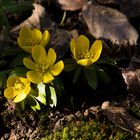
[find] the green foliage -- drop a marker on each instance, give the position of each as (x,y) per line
(93,73)
(3,78)
(41,89)
(70,65)
(18,60)
(108,61)
(18,71)
(33,103)
(58,85)
(91,77)
(52,96)
(102,75)
(31,88)
(78,72)
(12,7)
(90,130)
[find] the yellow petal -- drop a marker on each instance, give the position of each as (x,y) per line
(25,48)
(96,50)
(36,36)
(34,77)
(25,34)
(9,93)
(27,90)
(85,62)
(39,54)
(21,96)
(29,63)
(47,78)
(83,44)
(25,81)
(57,68)
(11,81)
(73,48)
(45,38)
(28,49)
(51,57)
(19,43)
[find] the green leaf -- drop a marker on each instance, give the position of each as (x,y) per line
(19,71)
(33,108)
(42,89)
(69,61)
(77,74)
(33,102)
(18,61)
(41,94)
(103,76)
(5,2)
(3,19)
(22,105)
(41,98)
(37,105)
(5,72)
(18,7)
(2,63)
(9,49)
(107,61)
(70,65)
(1,83)
(33,92)
(91,77)
(53,97)
(58,85)
(2,78)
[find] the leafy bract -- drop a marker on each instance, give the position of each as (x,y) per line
(91,77)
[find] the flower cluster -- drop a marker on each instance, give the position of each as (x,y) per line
(35,77)
(41,68)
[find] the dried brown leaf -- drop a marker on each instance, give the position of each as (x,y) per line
(109,23)
(60,41)
(72,5)
(38,18)
(132,79)
(131,75)
(131,8)
(121,117)
(105,1)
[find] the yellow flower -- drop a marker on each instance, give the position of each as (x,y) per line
(43,69)
(29,38)
(81,52)
(17,88)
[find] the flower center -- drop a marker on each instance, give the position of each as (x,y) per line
(42,67)
(85,55)
(31,42)
(19,85)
